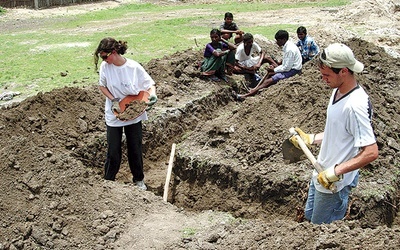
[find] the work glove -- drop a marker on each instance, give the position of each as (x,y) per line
(307,138)
(327,177)
(115,105)
(152,100)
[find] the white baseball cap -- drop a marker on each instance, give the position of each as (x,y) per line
(340,56)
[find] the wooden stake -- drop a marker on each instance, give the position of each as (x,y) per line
(169,171)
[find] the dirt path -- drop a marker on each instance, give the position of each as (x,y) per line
(230,188)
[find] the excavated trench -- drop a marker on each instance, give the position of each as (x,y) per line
(228,155)
(206,180)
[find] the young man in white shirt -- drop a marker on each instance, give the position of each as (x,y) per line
(348,142)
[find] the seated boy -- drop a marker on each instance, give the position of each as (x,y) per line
(245,57)
(228,27)
(306,44)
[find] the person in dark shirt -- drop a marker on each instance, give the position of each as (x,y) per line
(228,28)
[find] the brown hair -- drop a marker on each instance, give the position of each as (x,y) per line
(108,45)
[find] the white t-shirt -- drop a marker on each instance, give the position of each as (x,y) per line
(347,129)
(127,79)
(247,60)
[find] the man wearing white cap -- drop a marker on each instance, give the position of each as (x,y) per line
(348,142)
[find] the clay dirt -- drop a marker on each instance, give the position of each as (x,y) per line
(230,186)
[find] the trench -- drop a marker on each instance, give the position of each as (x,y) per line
(201,181)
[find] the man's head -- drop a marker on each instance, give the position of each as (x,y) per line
(228,17)
(281,37)
(301,32)
(247,38)
(338,56)
(215,35)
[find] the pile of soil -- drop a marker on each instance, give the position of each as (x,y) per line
(230,188)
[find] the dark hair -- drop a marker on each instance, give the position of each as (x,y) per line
(247,37)
(215,31)
(108,45)
(228,14)
(301,29)
(282,34)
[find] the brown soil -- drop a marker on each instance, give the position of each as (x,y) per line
(230,188)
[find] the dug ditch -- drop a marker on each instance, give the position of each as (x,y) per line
(229,154)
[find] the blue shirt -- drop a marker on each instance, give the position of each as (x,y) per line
(308,48)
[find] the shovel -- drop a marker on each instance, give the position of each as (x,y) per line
(287,150)
(291,154)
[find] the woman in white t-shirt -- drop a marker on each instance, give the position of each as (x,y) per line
(120,77)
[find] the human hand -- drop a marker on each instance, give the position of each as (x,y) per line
(327,177)
(307,138)
(115,105)
(152,100)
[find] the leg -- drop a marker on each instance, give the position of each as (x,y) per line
(113,160)
(134,144)
(326,207)
(262,84)
(308,211)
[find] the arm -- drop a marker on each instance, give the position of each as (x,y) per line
(318,138)
(152,90)
(366,155)
(271,61)
(260,61)
(230,45)
(234,29)
(220,53)
(314,49)
(106,92)
(287,62)
(228,31)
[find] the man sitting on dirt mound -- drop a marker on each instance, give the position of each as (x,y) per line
(291,65)
(229,27)
(306,44)
(246,62)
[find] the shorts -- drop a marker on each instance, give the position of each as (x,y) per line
(283,75)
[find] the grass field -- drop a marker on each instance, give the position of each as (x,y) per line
(34,57)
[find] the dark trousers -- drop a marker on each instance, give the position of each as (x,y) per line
(134,137)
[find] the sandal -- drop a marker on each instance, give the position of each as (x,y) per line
(214,78)
(246,87)
(237,97)
(224,78)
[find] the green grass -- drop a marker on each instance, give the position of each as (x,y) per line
(32,59)
(188,232)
